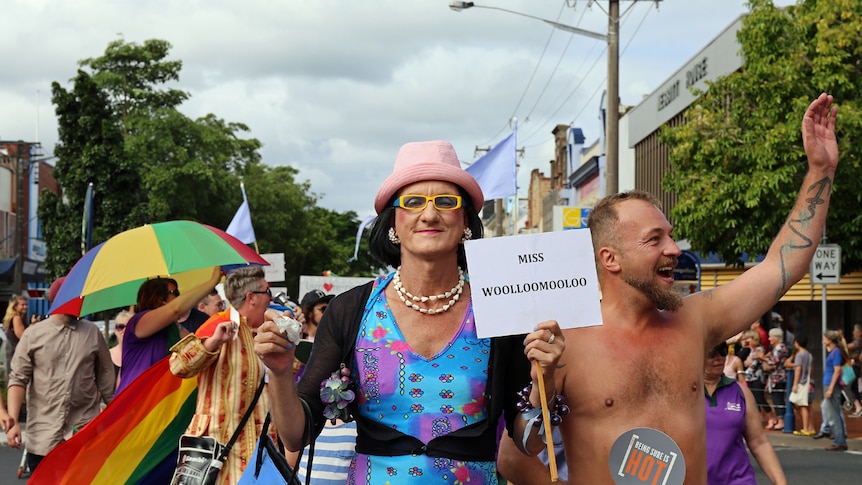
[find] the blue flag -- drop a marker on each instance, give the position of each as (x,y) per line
(240,226)
(497,171)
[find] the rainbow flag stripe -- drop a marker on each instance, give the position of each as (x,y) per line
(133,434)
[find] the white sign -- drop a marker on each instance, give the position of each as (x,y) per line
(331,285)
(517,282)
(38,250)
(825,267)
(275,271)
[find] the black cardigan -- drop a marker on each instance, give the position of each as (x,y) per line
(508,373)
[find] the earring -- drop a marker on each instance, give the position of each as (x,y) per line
(393,238)
(468,234)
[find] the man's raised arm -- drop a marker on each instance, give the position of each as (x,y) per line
(758,289)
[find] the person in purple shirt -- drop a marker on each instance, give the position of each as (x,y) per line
(731,415)
(154,328)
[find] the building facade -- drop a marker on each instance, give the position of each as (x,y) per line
(23,174)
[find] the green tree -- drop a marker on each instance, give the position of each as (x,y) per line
(738,161)
(121,130)
(90,150)
(287,220)
(185,165)
(134,75)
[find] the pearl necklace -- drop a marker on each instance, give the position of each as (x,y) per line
(408,298)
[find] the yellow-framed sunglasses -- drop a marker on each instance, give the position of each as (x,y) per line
(416,202)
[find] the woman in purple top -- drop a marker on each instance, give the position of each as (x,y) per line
(731,415)
(154,329)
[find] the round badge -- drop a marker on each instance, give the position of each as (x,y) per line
(646,456)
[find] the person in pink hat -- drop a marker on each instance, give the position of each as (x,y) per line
(402,353)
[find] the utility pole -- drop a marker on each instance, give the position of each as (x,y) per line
(612,116)
(612,140)
(20,180)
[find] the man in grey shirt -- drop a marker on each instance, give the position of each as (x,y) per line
(65,367)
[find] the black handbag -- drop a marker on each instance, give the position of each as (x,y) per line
(201,458)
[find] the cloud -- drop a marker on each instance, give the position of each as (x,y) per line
(334,88)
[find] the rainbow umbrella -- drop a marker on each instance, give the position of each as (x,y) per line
(109,275)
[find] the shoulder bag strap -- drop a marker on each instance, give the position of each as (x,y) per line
(309,431)
(226,450)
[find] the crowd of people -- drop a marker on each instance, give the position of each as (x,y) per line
(429,401)
(765,375)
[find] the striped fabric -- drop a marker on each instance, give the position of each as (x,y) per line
(227,381)
(133,434)
(333,452)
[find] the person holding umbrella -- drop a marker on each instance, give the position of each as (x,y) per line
(153,330)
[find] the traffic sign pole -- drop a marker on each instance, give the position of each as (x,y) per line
(823,317)
(825,269)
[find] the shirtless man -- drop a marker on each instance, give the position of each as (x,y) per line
(643,368)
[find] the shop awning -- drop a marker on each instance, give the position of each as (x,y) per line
(33,271)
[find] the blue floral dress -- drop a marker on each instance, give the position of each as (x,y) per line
(419,396)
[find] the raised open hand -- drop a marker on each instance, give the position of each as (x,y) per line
(818,134)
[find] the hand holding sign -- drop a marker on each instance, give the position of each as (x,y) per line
(517,281)
(544,347)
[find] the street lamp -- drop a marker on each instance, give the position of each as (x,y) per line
(612,137)
(458,6)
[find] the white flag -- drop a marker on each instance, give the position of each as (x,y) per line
(240,227)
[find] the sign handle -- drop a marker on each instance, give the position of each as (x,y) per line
(546,419)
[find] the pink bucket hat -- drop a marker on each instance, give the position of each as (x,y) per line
(427,160)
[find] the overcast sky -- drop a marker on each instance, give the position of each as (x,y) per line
(335,87)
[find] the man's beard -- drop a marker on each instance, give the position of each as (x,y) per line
(665,299)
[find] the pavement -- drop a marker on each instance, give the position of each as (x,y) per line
(854,433)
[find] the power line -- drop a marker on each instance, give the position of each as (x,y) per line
(527,87)
(541,126)
(562,104)
(559,61)
(586,104)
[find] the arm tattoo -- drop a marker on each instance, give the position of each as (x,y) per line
(797,226)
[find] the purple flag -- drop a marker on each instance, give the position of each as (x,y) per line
(497,170)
